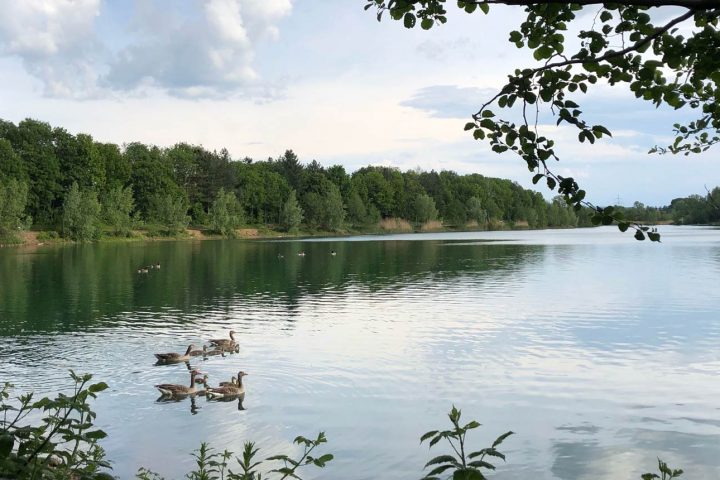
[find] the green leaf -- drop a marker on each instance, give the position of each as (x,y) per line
(6,444)
(98,387)
(438,470)
(502,438)
(442,459)
(639,235)
(623,226)
(482,464)
(428,435)
(468,474)
(95,435)
(551,183)
(478,134)
(469,126)
(409,20)
(426,23)
(536,178)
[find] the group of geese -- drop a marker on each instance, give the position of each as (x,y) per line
(225,390)
(301,253)
(147,269)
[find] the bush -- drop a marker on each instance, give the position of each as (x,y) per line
(13,198)
(169,213)
(395,225)
(81,212)
(118,204)
(291,214)
(63,444)
(226,213)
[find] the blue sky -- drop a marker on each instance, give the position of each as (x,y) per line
(321,77)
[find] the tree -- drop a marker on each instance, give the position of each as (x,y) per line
(13,198)
(169,212)
(291,215)
(674,62)
(226,213)
(476,211)
(117,206)
(334,215)
(356,211)
(81,211)
(424,208)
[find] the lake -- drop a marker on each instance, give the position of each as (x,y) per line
(601,353)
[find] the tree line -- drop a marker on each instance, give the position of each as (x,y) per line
(53,180)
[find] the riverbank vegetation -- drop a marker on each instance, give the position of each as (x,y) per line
(55,438)
(75,188)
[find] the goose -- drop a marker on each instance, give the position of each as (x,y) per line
(280,255)
(229,391)
(231,383)
(224,343)
(157,265)
(214,351)
(173,390)
(174,357)
(197,352)
(333,253)
(301,254)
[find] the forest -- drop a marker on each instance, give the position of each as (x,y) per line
(82,189)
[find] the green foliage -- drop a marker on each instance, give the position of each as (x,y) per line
(81,212)
(675,63)
(226,213)
(291,214)
(169,212)
(158,185)
(424,208)
(334,210)
(666,473)
(13,198)
(212,465)
(55,438)
(356,211)
(462,465)
(476,211)
(117,208)
(61,443)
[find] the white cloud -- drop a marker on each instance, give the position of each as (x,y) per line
(194,48)
(208,52)
(55,40)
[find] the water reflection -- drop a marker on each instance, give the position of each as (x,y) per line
(595,352)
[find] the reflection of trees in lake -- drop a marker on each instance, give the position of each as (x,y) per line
(66,288)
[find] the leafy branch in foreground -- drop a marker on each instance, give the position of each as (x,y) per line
(462,466)
(662,64)
(63,444)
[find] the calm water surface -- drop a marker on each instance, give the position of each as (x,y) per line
(601,352)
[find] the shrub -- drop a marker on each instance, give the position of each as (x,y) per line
(169,213)
(226,213)
(81,211)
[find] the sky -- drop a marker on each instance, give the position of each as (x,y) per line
(320,77)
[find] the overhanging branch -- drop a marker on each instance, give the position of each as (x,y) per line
(691,4)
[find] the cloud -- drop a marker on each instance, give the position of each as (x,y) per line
(193,48)
(204,53)
(449,101)
(55,41)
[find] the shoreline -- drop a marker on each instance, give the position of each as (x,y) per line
(40,238)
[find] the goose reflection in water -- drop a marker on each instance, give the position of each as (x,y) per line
(194,408)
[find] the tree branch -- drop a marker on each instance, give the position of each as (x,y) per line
(691,4)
